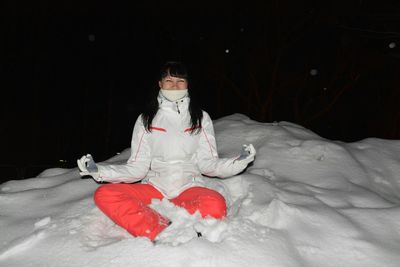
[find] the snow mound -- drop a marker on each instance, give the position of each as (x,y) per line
(306,201)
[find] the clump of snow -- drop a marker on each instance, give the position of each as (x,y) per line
(43,222)
(306,201)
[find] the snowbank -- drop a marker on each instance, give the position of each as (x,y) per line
(306,201)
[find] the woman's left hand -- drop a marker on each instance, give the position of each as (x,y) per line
(247,154)
(240,163)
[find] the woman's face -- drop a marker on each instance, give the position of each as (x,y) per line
(173,83)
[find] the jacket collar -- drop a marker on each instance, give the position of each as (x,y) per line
(178,106)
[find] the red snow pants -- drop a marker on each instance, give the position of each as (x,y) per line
(127,206)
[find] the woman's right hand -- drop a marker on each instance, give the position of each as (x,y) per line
(87,166)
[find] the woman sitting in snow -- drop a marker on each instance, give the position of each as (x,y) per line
(173,144)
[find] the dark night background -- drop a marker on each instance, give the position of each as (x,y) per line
(74,75)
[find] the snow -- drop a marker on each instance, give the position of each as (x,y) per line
(306,201)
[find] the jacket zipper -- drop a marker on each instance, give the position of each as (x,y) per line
(177,107)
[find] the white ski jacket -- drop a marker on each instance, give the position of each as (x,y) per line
(169,157)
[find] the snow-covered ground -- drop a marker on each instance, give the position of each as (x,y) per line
(306,201)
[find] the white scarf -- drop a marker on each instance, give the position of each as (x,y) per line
(173,95)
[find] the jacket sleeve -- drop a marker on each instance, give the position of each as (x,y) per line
(138,163)
(207,155)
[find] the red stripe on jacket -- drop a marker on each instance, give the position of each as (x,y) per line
(158,129)
(209,144)
(192,128)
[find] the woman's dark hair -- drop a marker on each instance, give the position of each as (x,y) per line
(179,70)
